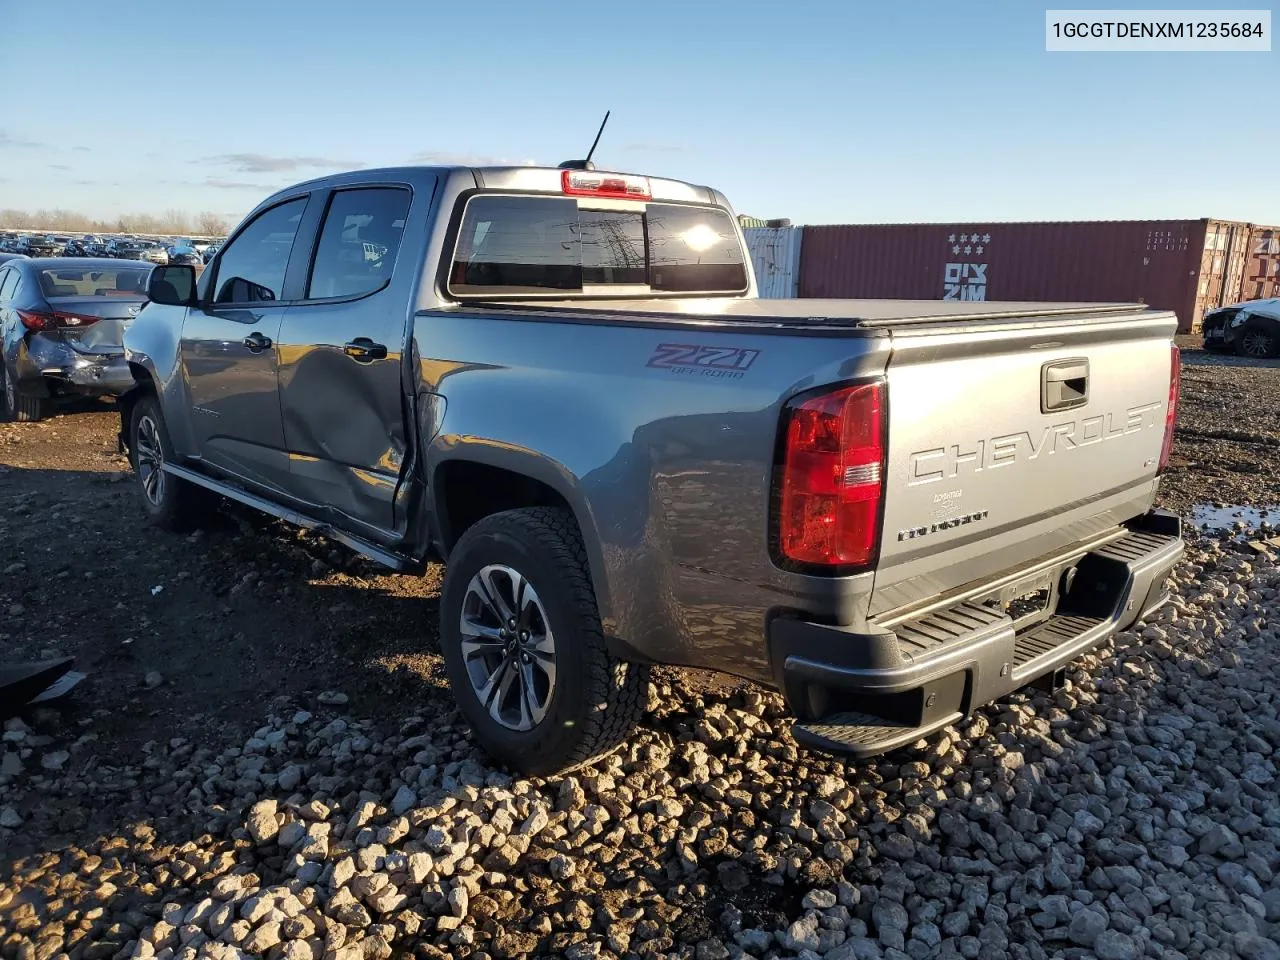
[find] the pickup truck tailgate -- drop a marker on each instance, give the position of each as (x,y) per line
(1008,441)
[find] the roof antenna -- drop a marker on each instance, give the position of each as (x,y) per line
(587,164)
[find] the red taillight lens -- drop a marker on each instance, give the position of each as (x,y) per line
(833,477)
(1171,414)
(34,320)
(37,320)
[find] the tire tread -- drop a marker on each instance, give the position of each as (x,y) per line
(617,689)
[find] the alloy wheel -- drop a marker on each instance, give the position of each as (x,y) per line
(508,647)
(150,457)
(1257,343)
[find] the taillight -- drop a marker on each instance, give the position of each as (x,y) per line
(620,186)
(40,320)
(34,320)
(1171,414)
(832,479)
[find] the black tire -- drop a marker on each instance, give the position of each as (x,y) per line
(1258,340)
(596,699)
(170,502)
(17,407)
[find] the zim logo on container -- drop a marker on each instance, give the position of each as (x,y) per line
(963,280)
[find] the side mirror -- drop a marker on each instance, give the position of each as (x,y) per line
(174,285)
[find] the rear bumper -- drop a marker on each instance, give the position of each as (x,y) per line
(872,691)
(50,367)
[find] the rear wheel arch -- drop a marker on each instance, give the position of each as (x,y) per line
(466,490)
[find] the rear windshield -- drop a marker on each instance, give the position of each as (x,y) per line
(115,282)
(512,245)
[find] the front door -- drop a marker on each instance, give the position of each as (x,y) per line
(230,354)
(341,396)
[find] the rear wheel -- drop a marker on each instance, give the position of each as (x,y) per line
(17,407)
(1258,339)
(523,646)
(170,502)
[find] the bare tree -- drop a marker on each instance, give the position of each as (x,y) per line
(211,225)
(175,222)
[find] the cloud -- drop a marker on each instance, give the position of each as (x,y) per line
(82,149)
(17,143)
(442,158)
(239,185)
(261,163)
(59,166)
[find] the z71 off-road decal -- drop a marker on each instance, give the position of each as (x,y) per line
(696,360)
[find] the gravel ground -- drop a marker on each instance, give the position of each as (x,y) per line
(263,762)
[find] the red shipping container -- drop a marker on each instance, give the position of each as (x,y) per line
(1262,266)
(1163,263)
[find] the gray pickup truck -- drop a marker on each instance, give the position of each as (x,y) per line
(561,383)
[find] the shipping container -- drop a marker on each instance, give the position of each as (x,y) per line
(1262,265)
(1187,266)
(775,256)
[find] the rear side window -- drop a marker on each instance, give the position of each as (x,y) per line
(252,267)
(511,245)
(358,242)
(8,280)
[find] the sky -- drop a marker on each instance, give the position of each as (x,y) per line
(824,112)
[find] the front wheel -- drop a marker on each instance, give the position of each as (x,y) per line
(19,408)
(1259,340)
(523,646)
(170,502)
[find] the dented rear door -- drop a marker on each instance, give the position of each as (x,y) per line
(1010,441)
(340,349)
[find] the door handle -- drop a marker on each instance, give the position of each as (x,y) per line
(257,341)
(363,350)
(1064,385)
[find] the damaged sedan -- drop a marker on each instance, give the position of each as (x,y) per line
(62,322)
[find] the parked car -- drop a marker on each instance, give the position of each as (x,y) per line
(893,511)
(153,251)
(79,246)
(211,251)
(130,250)
(1251,329)
(184,254)
(39,246)
(62,321)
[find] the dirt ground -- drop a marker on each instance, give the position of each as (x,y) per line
(192,637)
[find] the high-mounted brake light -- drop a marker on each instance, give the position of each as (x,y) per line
(1171,413)
(620,186)
(832,481)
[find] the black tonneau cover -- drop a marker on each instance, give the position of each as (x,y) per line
(800,314)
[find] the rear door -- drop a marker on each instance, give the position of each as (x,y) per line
(341,395)
(229,352)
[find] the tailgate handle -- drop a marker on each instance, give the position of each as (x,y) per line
(1064,385)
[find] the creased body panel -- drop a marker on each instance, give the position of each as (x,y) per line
(1006,445)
